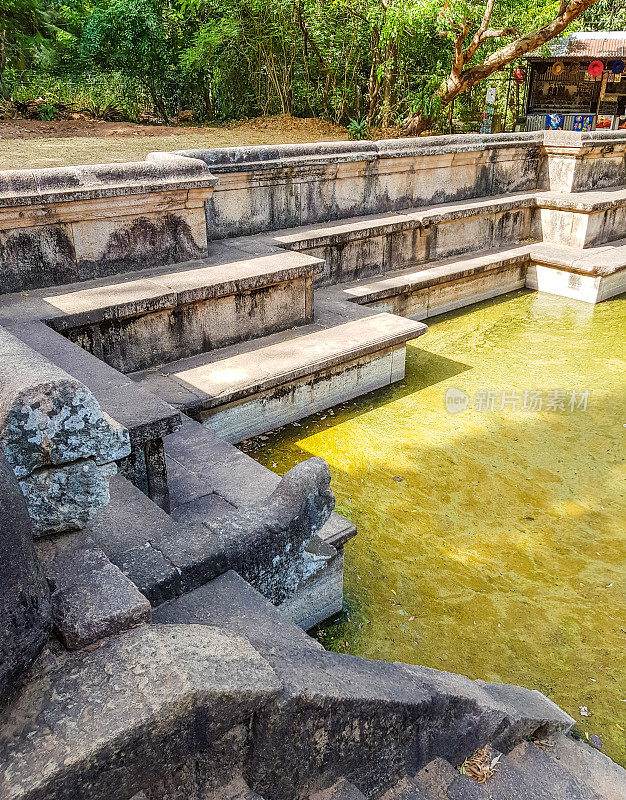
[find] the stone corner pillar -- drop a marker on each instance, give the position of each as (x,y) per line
(578,162)
(25,612)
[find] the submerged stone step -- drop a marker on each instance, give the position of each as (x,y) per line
(263,388)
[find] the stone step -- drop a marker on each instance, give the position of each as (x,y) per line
(346,717)
(406,789)
(365,246)
(247,393)
(342,790)
(200,463)
(237,789)
(581,219)
(435,778)
(205,472)
(149,318)
(423,292)
(590,767)
(590,275)
(272,542)
(526,773)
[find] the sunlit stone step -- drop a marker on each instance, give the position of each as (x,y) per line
(246,393)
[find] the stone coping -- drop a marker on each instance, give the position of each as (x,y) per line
(84,182)
(241,159)
(193,168)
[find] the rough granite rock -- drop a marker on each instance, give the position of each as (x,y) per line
(91,597)
(101,725)
(64,498)
(24,597)
(48,418)
(56,438)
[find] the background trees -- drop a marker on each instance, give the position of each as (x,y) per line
(378,62)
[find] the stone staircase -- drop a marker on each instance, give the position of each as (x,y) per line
(561,768)
(179,667)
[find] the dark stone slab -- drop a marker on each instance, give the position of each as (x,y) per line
(126,530)
(527,773)
(91,597)
(370,722)
(25,617)
(102,724)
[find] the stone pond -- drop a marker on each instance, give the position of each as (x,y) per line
(491,542)
(160,567)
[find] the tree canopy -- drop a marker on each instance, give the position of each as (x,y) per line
(377,62)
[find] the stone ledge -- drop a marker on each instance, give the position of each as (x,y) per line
(71,184)
(102,724)
(190,282)
(144,415)
(222,381)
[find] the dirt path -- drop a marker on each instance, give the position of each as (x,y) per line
(32,144)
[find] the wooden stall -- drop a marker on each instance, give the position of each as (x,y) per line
(578,83)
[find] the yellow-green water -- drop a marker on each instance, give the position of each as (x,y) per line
(490,543)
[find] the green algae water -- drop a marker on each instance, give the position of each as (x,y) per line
(492,541)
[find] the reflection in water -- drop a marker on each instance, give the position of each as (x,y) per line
(490,543)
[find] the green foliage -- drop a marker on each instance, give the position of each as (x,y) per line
(355,62)
(48,112)
(357,128)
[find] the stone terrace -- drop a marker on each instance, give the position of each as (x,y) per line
(152,315)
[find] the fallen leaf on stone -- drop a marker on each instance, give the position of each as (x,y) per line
(479,766)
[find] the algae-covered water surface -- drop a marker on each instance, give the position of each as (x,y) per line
(492,540)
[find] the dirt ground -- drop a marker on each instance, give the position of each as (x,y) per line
(32,144)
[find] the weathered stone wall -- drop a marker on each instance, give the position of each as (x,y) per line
(65,225)
(268,187)
(70,224)
(57,440)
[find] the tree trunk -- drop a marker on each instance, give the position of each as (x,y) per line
(3,60)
